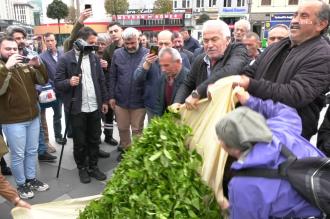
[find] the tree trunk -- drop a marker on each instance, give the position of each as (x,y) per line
(59,31)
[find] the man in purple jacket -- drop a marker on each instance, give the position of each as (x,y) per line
(254,134)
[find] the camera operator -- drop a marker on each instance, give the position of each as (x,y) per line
(19,114)
(89,99)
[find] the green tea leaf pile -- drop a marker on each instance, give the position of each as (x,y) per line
(157,178)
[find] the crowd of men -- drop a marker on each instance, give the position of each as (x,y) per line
(125,79)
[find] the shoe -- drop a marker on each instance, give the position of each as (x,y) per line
(120,156)
(60,140)
(6,171)
(97,174)
(103,154)
(24,191)
(84,176)
(110,140)
(46,157)
(37,185)
(120,148)
(51,148)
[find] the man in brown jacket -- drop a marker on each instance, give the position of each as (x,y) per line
(19,114)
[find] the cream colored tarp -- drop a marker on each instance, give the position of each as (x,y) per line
(204,140)
(67,209)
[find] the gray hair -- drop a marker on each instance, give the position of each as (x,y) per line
(246,24)
(218,24)
(130,33)
(173,52)
(324,15)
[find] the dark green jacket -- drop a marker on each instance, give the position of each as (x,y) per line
(18,96)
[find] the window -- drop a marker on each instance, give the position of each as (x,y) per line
(188,3)
(227,3)
(293,2)
(184,4)
(266,2)
(240,3)
(175,4)
(198,3)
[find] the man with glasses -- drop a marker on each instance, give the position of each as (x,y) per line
(149,70)
(295,71)
(276,33)
(221,59)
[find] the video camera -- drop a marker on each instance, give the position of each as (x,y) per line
(83,46)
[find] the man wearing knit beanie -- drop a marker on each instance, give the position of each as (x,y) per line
(253,134)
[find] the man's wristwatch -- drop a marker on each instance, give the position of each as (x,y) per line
(195,94)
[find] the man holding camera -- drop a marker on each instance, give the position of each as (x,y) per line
(19,114)
(86,91)
(19,35)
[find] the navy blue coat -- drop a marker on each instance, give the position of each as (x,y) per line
(127,92)
(66,68)
(50,64)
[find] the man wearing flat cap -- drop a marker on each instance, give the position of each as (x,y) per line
(254,135)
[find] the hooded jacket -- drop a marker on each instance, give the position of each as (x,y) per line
(260,198)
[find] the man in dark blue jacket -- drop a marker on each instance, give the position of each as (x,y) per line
(50,58)
(90,98)
(190,43)
(126,94)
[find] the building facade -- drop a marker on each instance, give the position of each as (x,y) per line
(267,13)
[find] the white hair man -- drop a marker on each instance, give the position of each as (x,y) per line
(126,95)
(173,74)
(221,59)
(241,28)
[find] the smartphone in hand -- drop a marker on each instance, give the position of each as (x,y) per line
(88,6)
(154,50)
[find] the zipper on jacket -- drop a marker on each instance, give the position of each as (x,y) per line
(26,92)
(317,202)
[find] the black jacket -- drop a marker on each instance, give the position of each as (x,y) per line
(66,68)
(301,82)
(233,61)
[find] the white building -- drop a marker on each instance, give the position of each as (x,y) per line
(141,4)
(99,13)
(267,13)
(23,12)
(7,10)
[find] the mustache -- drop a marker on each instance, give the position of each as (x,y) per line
(297,25)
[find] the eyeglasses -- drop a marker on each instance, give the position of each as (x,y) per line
(275,38)
(164,43)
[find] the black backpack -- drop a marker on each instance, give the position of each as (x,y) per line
(309,176)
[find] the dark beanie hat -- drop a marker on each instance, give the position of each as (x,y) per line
(242,128)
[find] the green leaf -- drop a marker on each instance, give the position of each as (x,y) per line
(155,156)
(167,154)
